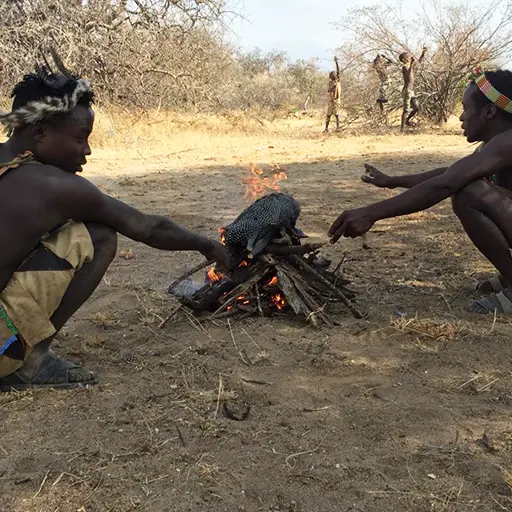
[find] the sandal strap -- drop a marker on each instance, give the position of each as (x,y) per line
(497,301)
(487,304)
(496,284)
(53,370)
(505,303)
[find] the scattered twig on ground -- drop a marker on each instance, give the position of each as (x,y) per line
(298,454)
(487,386)
(169,317)
(493,321)
(42,485)
(219,394)
(242,355)
(180,434)
(476,377)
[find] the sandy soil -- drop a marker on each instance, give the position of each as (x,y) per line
(407,411)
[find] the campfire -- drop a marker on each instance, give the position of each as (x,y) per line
(272,272)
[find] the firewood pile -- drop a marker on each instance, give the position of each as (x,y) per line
(272,273)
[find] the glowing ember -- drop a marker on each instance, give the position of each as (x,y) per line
(278,301)
(243,263)
(258,184)
(242,299)
(214,276)
(273,281)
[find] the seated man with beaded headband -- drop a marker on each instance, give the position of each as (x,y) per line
(50,264)
(480,187)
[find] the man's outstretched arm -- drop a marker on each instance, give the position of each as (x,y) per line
(495,157)
(82,201)
(382,180)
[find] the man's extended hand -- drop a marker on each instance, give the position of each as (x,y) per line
(351,224)
(217,252)
(375,177)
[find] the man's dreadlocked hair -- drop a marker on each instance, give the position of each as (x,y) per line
(45,94)
(502,81)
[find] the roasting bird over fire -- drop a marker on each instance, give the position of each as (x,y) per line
(271,272)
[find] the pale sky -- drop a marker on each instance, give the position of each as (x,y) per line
(302,28)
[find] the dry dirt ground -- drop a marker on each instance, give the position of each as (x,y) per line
(407,411)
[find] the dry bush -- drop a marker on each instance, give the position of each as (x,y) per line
(458,36)
(158,53)
(150,54)
(173,55)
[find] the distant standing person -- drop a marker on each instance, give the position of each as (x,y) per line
(381,64)
(411,105)
(334,97)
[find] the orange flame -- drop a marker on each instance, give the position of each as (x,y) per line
(222,232)
(278,301)
(273,281)
(214,276)
(243,263)
(258,184)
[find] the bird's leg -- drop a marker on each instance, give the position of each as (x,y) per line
(284,238)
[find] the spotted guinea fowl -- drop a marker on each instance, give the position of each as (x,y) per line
(259,224)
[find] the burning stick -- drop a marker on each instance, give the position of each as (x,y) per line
(315,308)
(241,289)
(258,298)
(294,299)
(300,250)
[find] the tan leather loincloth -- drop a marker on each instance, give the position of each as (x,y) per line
(35,291)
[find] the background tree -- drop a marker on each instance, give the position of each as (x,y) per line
(459,37)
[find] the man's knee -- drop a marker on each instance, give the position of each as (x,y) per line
(104,239)
(471,195)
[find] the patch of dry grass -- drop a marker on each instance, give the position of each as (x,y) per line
(116,127)
(105,319)
(432,328)
(507,476)
(153,306)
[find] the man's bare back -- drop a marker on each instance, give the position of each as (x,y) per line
(29,208)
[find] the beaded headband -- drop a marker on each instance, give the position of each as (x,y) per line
(489,91)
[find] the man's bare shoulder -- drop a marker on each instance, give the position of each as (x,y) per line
(48,177)
(52,189)
(499,144)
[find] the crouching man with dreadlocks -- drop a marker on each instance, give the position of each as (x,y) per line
(480,187)
(49,264)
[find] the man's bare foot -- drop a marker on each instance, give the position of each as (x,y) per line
(46,370)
